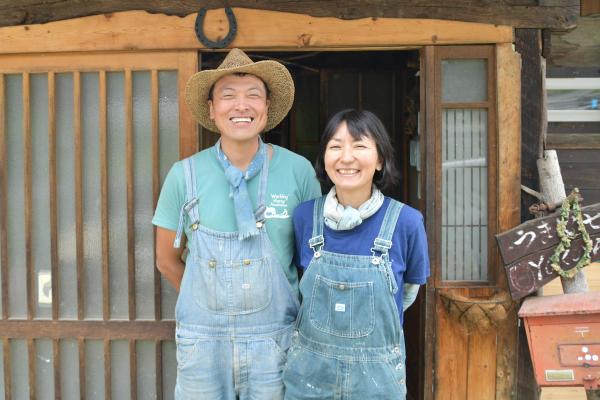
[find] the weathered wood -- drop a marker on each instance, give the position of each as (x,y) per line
(528,44)
(4,299)
(579,47)
(523,14)
(540,234)
(574,141)
(27,192)
(551,182)
(534,271)
(188,127)
(138,30)
(67,329)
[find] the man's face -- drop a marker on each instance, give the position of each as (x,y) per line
(239,107)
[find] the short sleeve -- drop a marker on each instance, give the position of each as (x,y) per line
(171,199)
(417,263)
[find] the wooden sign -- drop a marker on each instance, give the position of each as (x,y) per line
(526,250)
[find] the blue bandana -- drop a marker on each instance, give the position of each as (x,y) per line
(246,222)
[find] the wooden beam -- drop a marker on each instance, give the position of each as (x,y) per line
(257,29)
(508,72)
(519,13)
(85,330)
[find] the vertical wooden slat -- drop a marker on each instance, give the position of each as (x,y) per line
(155,187)
(56,369)
(3,207)
(133,369)
(81,352)
(104,195)
(27,193)
(159,369)
(78,195)
(188,128)
(7,370)
(107,370)
(31,356)
(52,197)
(130,194)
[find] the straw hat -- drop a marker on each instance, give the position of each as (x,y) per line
(275,75)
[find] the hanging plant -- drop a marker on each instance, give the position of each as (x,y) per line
(571,205)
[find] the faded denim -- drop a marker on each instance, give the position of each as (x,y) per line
(235,311)
(349,344)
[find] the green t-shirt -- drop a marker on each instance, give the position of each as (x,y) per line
(291,181)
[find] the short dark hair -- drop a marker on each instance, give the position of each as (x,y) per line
(212,88)
(361,123)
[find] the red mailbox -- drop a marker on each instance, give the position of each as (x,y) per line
(563,332)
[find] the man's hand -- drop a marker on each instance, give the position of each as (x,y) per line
(168,258)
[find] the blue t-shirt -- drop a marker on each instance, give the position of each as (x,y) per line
(409,256)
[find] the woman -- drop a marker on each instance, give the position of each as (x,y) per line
(364,256)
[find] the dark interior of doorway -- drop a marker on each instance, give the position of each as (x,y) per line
(384,82)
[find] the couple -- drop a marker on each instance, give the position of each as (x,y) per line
(241,330)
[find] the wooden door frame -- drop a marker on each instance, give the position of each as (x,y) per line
(264,30)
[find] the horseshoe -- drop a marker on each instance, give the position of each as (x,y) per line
(219,44)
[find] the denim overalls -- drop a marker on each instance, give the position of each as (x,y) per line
(349,343)
(235,311)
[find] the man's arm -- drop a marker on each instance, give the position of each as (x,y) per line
(168,258)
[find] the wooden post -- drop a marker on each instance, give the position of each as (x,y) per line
(553,191)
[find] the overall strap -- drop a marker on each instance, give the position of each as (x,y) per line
(259,213)
(189,207)
(317,241)
(383,243)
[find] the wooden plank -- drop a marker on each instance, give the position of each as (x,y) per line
(88,62)
(574,127)
(56,368)
(155,187)
(130,195)
(31,364)
(52,180)
(88,329)
(540,234)
(159,369)
(3,207)
(452,350)
(517,13)
(27,206)
(104,196)
(257,29)
(508,75)
(7,369)
(78,195)
(583,175)
(188,127)
(428,155)
(533,271)
(589,7)
(132,370)
(573,141)
(577,48)
(107,369)
(578,156)
(81,353)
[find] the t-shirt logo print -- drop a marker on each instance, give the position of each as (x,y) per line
(278,207)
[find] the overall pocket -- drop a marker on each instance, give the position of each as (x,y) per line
(233,288)
(343,309)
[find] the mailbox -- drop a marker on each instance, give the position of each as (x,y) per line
(563,332)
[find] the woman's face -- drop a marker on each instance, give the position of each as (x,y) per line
(351,163)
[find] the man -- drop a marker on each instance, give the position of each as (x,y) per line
(238,289)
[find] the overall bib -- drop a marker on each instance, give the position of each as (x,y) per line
(235,311)
(349,344)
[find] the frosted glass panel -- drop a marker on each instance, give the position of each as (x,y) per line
(40,196)
(464,81)
(17,293)
(69,370)
(464,194)
(168,112)
(146,369)
(92,223)
(117,195)
(119,364)
(44,370)
(94,369)
(169,368)
(19,367)
(65,192)
(144,202)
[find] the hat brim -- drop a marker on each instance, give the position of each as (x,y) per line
(275,75)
